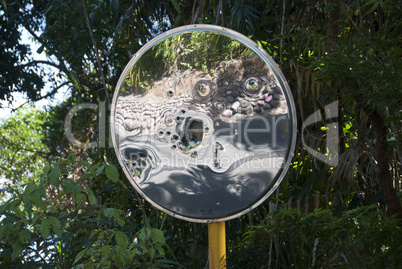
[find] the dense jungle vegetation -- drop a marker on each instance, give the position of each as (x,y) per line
(68,207)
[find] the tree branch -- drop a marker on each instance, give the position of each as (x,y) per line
(43,62)
(200,8)
(51,93)
(23,104)
(95,48)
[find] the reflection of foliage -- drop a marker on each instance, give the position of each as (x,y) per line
(196,50)
(202,50)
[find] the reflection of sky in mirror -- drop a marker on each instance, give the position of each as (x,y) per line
(202,125)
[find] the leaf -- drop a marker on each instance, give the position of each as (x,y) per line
(85,163)
(370,2)
(176,6)
(142,234)
(112,173)
(68,186)
(92,17)
(4,4)
(45,172)
(45,228)
(108,212)
(54,175)
(91,197)
(100,169)
(373,8)
(78,197)
(17,250)
(5,229)
(117,213)
(157,236)
(74,79)
(54,221)
(177,20)
(40,50)
(84,177)
(160,250)
(24,236)
(31,186)
(121,239)
(40,204)
(57,231)
(152,254)
(80,255)
(19,213)
(72,158)
(105,250)
(4,206)
(170,251)
(28,205)
(120,222)
(64,163)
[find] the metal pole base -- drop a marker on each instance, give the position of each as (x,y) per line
(217,245)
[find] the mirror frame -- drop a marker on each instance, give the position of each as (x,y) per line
(277,73)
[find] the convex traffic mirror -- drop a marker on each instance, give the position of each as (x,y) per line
(203,123)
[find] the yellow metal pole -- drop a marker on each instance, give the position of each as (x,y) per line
(217,245)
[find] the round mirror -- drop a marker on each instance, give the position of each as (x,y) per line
(203,123)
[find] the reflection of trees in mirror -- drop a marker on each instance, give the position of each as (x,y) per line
(239,89)
(201,50)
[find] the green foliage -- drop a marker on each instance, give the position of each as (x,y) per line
(289,238)
(79,213)
(14,76)
(59,222)
(23,153)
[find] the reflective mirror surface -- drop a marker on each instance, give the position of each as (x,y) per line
(203,123)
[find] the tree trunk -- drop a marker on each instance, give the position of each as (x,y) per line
(384,174)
